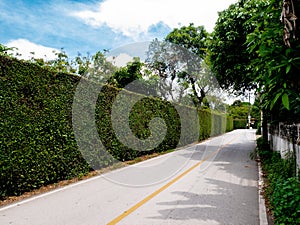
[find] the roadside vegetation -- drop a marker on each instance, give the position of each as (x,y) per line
(239,111)
(38,145)
(250,50)
(281,185)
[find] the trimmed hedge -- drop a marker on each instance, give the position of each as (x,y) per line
(213,124)
(239,123)
(37,146)
(37,141)
(229,124)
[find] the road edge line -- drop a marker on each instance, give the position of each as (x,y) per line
(261,201)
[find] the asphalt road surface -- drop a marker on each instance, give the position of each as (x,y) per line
(214,182)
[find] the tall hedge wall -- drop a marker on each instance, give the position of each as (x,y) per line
(37,141)
(239,123)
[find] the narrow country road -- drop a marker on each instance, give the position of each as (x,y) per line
(214,182)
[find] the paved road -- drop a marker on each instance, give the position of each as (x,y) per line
(214,182)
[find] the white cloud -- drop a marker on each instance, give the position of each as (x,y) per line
(120,60)
(26,48)
(133,17)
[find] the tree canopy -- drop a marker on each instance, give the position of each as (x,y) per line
(180,59)
(190,37)
(277,65)
(229,59)
(247,50)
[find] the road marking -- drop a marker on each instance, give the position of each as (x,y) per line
(59,189)
(149,197)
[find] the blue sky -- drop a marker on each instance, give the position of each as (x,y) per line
(89,26)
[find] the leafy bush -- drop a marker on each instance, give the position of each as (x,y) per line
(283,187)
(239,123)
(263,150)
(286,201)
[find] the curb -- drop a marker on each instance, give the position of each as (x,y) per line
(261,201)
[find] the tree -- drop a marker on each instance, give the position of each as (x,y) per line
(61,63)
(127,74)
(276,63)
(99,69)
(239,109)
(194,40)
(82,63)
(191,38)
(228,55)
(247,50)
(179,62)
(180,71)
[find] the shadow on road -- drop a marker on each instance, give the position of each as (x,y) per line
(228,195)
(226,206)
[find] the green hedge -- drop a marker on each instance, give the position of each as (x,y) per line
(213,124)
(37,141)
(229,124)
(239,123)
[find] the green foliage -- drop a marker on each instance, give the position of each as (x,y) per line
(37,141)
(191,38)
(127,74)
(4,50)
(229,58)
(229,124)
(263,149)
(205,126)
(82,63)
(101,70)
(179,69)
(283,188)
(275,64)
(256,111)
(192,41)
(37,146)
(61,63)
(218,124)
(239,110)
(247,50)
(286,198)
(212,123)
(240,123)
(142,113)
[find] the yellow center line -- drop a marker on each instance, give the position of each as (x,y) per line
(142,202)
